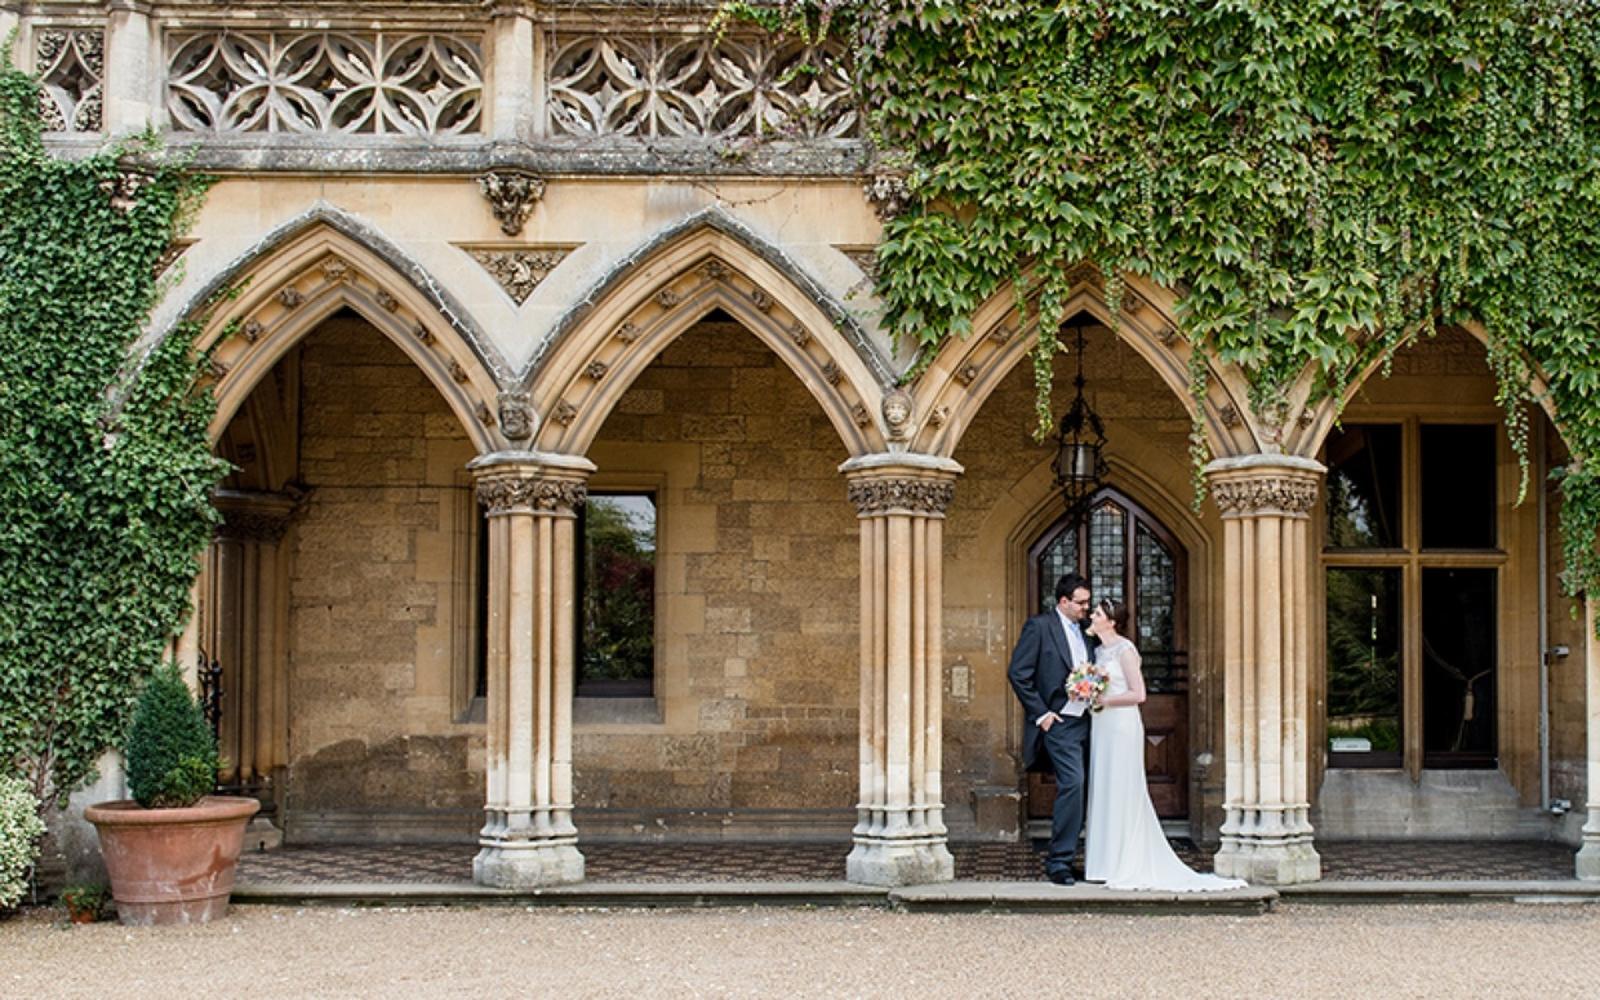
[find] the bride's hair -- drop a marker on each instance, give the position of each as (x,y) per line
(1116,611)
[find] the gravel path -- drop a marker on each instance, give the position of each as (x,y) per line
(1462,950)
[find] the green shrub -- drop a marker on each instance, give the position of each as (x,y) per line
(171,751)
(20,830)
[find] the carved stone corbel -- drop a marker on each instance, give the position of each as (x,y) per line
(512,193)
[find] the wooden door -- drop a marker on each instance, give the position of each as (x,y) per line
(1127,555)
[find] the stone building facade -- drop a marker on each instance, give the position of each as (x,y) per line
(502,266)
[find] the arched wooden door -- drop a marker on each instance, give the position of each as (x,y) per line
(1128,555)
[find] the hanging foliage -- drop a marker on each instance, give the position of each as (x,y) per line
(1320,181)
(107,503)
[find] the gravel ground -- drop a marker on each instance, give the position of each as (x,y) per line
(1459,950)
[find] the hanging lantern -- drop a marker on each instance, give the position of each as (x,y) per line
(1080,465)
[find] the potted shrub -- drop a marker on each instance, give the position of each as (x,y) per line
(84,903)
(171,849)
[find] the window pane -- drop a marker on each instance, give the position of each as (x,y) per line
(1364,487)
(1458,667)
(1458,467)
(1363,667)
(617,655)
(1155,604)
(1108,552)
(1054,562)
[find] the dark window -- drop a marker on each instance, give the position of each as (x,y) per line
(1364,721)
(1458,465)
(616,588)
(1458,667)
(1364,487)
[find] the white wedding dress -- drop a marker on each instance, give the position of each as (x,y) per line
(1126,848)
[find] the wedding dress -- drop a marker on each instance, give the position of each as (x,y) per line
(1126,848)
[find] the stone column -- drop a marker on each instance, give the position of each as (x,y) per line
(900,836)
(528,838)
(517,82)
(246,631)
(135,69)
(1266,502)
(1588,862)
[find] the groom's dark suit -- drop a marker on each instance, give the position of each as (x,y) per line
(1038,672)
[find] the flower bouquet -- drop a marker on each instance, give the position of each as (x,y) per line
(1084,686)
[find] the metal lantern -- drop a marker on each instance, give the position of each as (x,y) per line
(1080,465)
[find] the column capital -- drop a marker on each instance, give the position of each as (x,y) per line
(1258,485)
(249,515)
(913,484)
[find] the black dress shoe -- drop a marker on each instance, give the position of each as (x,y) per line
(1061,878)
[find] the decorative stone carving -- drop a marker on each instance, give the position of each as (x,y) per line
(512,193)
(70,65)
(628,332)
(667,298)
(939,415)
(1265,495)
(1084,274)
(565,413)
(516,416)
(967,374)
(123,189)
(716,84)
(519,272)
(1229,415)
(253,524)
(800,335)
(1001,334)
(1132,303)
(916,496)
(336,269)
(761,300)
(458,373)
(888,195)
(860,414)
(1306,417)
(596,370)
(251,330)
(216,369)
(330,82)
(290,297)
(714,270)
(865,258)
(559,495)
(485,417)
(388,302)
(423,334)
(831,373)
(1168,336)
(897,410)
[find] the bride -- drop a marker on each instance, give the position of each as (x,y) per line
(1126,848)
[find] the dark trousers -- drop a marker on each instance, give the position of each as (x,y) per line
(1067,744)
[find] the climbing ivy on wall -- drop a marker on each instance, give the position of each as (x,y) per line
(105,470)
(1319,180)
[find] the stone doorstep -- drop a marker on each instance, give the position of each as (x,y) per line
(949,896)
(1444,891)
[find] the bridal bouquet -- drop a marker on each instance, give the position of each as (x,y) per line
(1084,686)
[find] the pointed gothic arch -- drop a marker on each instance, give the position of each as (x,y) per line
(966,371)
(665,288)
(293,284)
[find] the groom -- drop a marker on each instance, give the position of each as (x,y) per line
(1051,645)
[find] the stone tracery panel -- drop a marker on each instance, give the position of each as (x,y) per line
(70,63)
(661,85)
(325,82)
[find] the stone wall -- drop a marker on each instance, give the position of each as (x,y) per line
(754,726)
(375,751)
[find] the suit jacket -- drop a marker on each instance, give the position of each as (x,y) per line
(1038,673)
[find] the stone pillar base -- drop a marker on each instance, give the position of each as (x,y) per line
(896,863)
(527,866)
(1270,863)
(1588,860)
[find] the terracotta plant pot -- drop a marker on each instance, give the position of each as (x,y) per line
(172,866)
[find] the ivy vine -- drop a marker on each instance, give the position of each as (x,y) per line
(1321,181)
(106,508)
